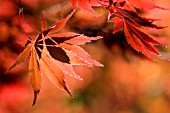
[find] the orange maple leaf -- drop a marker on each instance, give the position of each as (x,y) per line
(53,54)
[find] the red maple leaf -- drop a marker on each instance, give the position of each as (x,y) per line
(53,54)
(129,21)
(140,41)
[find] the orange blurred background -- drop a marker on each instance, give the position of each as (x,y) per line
(127,83)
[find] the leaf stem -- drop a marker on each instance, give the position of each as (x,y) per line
(19,18)
(21,26)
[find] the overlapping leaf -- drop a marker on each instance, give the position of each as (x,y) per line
(118,24)
(140,41)
(128,21)
(53,54)
(34,73)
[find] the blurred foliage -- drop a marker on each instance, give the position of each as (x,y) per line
(127,83)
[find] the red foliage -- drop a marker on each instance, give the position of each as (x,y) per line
(126,18)
(128,21)
(54,54)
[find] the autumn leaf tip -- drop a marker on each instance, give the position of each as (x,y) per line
(81,79)
(68,91)
(101,65)
(43,22)
(36,92)
(99,37)
(78,77)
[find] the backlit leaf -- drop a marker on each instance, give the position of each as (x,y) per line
(82,54)
(129,20)
(80,40)
(34,73)
(48,57)
(139,41)
(58,25)
(22,56)
(53,72)
(86,6)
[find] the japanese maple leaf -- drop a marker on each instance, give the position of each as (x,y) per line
(128,21)
(53,54)
(140,41)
